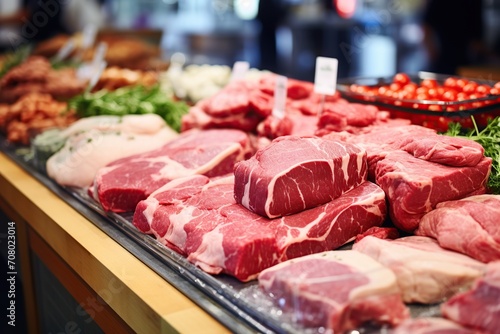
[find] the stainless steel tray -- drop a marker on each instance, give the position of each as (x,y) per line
(241,307)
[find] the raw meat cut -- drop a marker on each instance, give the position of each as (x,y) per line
(293,174)
(479,307)
(469,226)
(421,142)
(336,290)
(330,225)
(123,183)
(199,218)
(414,186)
(426,272)
(93,142)
(379,232)
(431,326)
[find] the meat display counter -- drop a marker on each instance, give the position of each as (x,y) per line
(87,255)
(144,286)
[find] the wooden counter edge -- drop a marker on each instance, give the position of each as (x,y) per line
(143,299)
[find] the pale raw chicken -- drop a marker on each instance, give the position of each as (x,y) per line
(94,142)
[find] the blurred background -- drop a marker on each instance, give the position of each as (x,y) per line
(368,37)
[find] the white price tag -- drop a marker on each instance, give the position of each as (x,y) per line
(89,34)
(240,69)
(280,95)
(325,78)
(66,49)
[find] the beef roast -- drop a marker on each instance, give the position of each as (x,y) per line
(122,184)
(469,226)
(199,218)
(426,272)
(414,186)
(479,307)
(337,290)
(297,173)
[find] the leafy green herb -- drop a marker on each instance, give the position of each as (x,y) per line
(489,138)
(131,100)
(15,58)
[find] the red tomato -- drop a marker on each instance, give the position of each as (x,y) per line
(429,83)
(433,93)
(411,87)
(461,96)
(421,90)
(461,83)
(402,79)
(495,91)
(395,86)
(497,85)
(450,82)
(470,87)
(382,90)
(450,95)
(483,90)
(435,107)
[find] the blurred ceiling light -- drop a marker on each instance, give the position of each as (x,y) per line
(246,9)
(345,8)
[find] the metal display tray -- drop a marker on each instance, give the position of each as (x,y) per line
(241,307)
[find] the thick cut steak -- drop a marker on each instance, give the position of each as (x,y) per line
(469,226)
(338,290)
(478,308)
(426,272)
(414,186)
(122,184)
(330,225)
(431,326)
(199,218)
(294,173)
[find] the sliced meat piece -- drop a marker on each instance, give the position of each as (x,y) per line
(122,184)
(414,187)
(296,173)
(330,225)
(426,272)
(337,290)
(431,326)
(201,220)
(379,232)
(469,226)
(478,308)
(230,101)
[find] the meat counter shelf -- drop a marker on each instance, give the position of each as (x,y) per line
(241,307)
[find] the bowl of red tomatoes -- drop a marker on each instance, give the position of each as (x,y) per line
(428,99)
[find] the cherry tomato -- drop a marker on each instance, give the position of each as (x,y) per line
(495,91)
(434,107)
(421,90)
(450,82)
(433,93)
(450,95)
(395,86)
(410,87)
(429,83)
(460,83)
(483,89)
(497,85)
(402,79)
(461,96)
(470,87)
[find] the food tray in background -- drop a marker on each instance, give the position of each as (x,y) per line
(436,112)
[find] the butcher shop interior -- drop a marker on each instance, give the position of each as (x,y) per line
(250,166)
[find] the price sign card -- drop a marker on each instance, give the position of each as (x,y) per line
(280,94)
(240,69)
(325,77)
